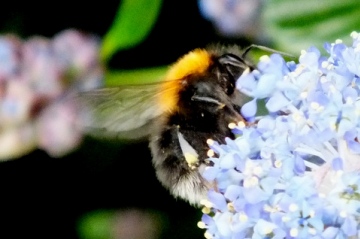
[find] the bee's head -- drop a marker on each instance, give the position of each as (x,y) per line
(227,68)
(212,93)
(204,82)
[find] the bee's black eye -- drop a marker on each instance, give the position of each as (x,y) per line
(230,68)
(233,64)
(228,83)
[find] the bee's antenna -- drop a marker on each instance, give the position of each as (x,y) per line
(264,48)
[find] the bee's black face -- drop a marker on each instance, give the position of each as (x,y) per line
(204,95)
(213,93)
(207,105)
(228,68)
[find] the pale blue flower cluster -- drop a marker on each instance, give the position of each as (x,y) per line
(295,171)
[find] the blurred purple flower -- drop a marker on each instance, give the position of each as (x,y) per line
(233,18)
(36,77)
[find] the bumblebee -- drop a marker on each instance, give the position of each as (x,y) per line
(196,102)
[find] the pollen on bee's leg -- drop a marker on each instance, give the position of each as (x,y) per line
(191,160)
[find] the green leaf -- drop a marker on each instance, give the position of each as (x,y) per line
(96,225)
(138,76)
(296,25)
(132,23)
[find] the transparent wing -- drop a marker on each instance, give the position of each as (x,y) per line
(124,112)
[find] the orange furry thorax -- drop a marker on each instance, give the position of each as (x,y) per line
(194,62)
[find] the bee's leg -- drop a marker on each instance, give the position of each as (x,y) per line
(173,170)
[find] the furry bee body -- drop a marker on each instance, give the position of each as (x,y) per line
(205,104)
(196,101)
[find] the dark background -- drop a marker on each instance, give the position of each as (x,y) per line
(43,197)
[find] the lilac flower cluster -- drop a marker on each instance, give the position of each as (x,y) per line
(36,75)
(294,173)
